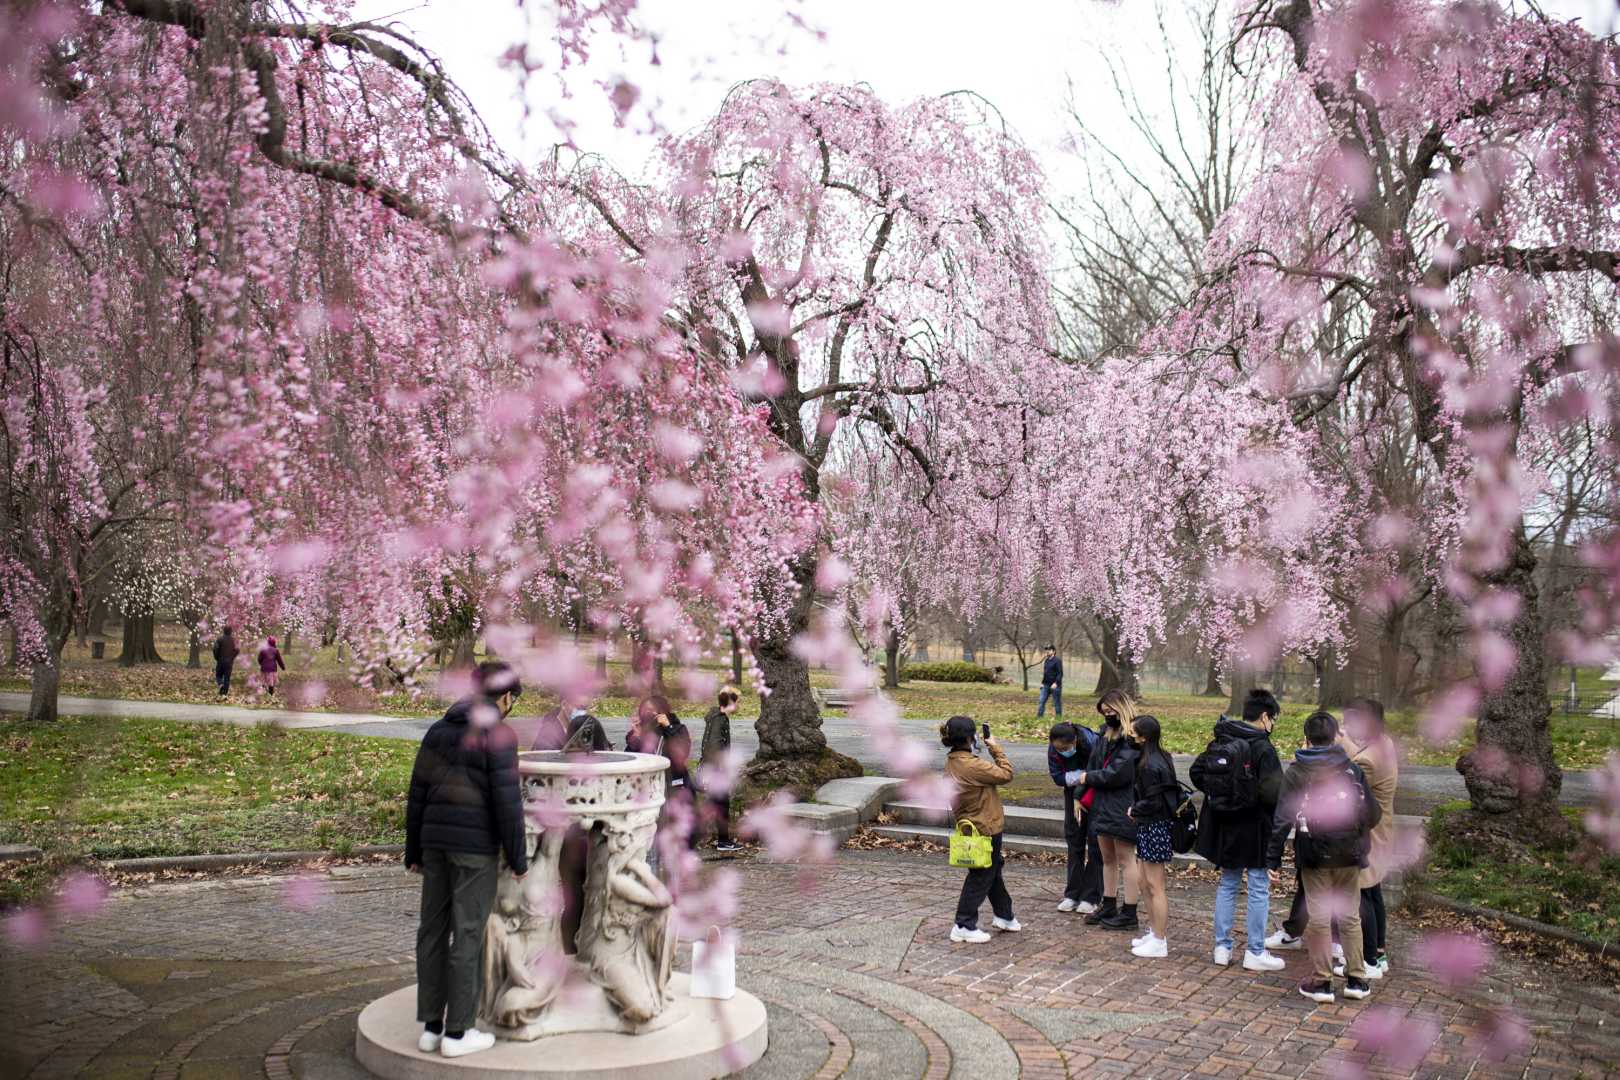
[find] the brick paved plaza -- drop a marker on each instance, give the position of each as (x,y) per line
(225,979)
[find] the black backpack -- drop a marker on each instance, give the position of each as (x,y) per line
(1183,820)
(1231,776)
(1340,829)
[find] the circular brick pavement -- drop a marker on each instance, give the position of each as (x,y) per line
(223,978)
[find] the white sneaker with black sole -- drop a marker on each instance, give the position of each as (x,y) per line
(472,1041)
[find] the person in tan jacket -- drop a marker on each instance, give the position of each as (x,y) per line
(1370,747)
(978,801)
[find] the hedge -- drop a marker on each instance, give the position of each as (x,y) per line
(948,671)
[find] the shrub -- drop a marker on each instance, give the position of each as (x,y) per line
(947,671)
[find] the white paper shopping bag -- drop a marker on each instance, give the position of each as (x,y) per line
(714,965)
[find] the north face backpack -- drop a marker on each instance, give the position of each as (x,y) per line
(1231,776)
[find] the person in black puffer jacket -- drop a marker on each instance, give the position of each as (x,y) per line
(1157,795)
(1109,776)
(465,810)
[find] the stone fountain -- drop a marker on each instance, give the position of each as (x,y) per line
(579,975)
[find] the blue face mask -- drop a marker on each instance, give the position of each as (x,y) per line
(1066,753)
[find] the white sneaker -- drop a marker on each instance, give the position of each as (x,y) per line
(1223,956)
(1338,952)
(1135,941)
(1012,926)
(1153,948)
(472,1041)
(1262,961)
(1281,940)
(1066,904)
(972,937)
(1338,969)
(1373,971)
(429,1042)
(1084,907)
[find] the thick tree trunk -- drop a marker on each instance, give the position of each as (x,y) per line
(140,642)
(891,658)
(47,683)
(1118,671)
(1212,680)
(1243,681)
(190,619)
(1333,683)
(98,619)
(461,652)
(736,659)
(1511,767)
(1391,636)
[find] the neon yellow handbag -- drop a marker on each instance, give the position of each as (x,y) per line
(969,847)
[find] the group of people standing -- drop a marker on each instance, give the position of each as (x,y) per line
(226,651)
(1121,792)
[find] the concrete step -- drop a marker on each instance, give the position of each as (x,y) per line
(1023,845)
(1023,820)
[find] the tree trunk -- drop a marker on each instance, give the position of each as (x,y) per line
(891,658)
(601,659)
(1511,767)
(47,683)
(1391,634)
(1333,682)
(140,643)
(190,619)
(1212,680)
(98,618)
(1243,681)
(461,653)
(658,673)
(1118,671)
(736,659)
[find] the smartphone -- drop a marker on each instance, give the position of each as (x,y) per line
(984,729)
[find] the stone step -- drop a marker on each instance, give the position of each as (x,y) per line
(1023,820)
(1015,842)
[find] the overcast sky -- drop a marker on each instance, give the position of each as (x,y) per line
(1020,54)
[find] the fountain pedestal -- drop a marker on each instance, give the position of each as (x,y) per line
(607,1003)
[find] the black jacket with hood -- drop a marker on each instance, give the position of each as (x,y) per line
(1321,785)
(1238,840)
(466,793)
(1155,788)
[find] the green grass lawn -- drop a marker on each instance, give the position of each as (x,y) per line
(1580,742)
(1574,885)
(109,788)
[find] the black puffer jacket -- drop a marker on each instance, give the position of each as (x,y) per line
(1238,840)
(466,794)
(1112,773)
(1155,787)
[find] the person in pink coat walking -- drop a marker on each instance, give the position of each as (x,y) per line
(270,664)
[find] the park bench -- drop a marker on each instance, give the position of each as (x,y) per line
(835,698)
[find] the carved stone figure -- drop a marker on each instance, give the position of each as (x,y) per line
(619,977)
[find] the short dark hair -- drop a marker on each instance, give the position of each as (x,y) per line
(494,678)
(1321,728)
(1260,702)
(957,732)
(1063,731)
(728,695)
(1367,706)
(1051,648)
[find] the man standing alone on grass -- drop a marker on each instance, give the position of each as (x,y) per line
(1051,684)
(464,811)
(225,652)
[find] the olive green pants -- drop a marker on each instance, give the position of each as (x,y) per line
(458,890)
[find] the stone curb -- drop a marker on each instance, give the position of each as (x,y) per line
(1518,922)
(246,858)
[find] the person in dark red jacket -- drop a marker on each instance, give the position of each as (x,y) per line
(464,811)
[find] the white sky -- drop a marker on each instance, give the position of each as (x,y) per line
(1017,53)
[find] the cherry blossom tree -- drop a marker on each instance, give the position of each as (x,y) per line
(1437,168)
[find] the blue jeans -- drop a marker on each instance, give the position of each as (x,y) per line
(1226,894)
(1056,694)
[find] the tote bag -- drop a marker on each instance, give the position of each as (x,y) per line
(714,965)
(969,847)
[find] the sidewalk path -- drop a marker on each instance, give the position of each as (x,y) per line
(247,977)
(1422,787)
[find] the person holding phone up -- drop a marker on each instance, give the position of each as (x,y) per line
(978,801)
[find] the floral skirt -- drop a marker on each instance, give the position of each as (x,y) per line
(1153,842)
